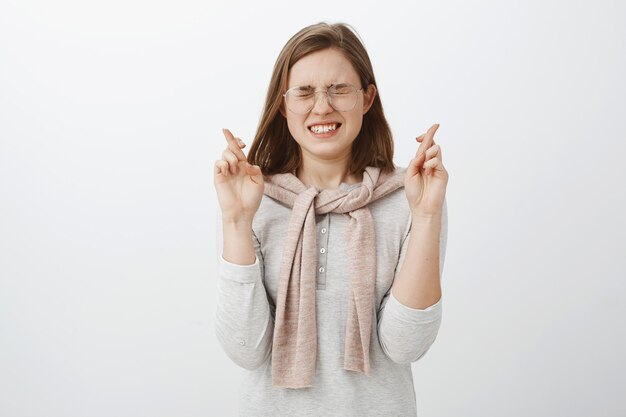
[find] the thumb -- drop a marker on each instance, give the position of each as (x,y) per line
(255,173)
(414,166)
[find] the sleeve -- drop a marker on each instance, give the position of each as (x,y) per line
(405,334)
(244,322)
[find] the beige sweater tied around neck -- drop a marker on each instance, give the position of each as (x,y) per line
(294,349)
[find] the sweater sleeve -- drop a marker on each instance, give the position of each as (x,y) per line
(244,322)
(405,334)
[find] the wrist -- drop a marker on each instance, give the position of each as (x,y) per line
(423,217)
(237,222)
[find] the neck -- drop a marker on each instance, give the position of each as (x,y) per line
(326,174)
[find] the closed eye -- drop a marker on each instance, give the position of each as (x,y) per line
(303,91)
(341,89)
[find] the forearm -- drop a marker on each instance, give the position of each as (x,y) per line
(238,248)
(418,283)
(243,320)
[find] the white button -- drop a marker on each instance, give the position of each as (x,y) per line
(323,250)
(242,342)
(322,269)
(323,230)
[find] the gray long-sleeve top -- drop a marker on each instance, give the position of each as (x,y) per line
(400,335)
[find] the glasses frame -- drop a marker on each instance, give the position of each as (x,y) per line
(330,102)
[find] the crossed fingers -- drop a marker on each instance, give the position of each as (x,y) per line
(231,155)
(429,153)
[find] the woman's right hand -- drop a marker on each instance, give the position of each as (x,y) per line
(239,185)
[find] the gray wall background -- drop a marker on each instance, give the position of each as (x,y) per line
(110,118)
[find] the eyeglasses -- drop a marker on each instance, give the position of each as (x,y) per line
(341,97)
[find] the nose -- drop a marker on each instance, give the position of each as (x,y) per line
(322,106)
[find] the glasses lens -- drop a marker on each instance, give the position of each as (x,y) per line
(342,97)
(301,100)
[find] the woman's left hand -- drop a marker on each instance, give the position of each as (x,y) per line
(426,178)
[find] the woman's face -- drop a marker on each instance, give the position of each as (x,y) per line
(325,133)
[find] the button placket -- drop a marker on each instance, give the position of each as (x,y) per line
(322,246)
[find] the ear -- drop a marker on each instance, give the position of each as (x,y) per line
(368,97)
(282,109)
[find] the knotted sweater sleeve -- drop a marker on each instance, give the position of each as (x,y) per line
(244,320)
(405,334)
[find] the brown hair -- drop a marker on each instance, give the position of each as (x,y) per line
(275,150)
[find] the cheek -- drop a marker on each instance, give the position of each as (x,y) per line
(295,125)
(355,121)
(355,116)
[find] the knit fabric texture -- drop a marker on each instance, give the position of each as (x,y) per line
(295,332)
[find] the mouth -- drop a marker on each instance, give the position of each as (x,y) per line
(325,129)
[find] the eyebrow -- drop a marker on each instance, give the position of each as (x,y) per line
(309,86)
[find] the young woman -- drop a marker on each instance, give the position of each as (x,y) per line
(329,284)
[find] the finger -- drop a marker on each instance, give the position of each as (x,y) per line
(421,138)
(234,144)
(432,164)
(428,139)
(221,167)
(232,160)
(255,173)
(433,151)
(414,166)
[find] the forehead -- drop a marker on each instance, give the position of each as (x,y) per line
(322,68)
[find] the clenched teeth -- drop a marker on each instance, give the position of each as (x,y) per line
(323,128)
